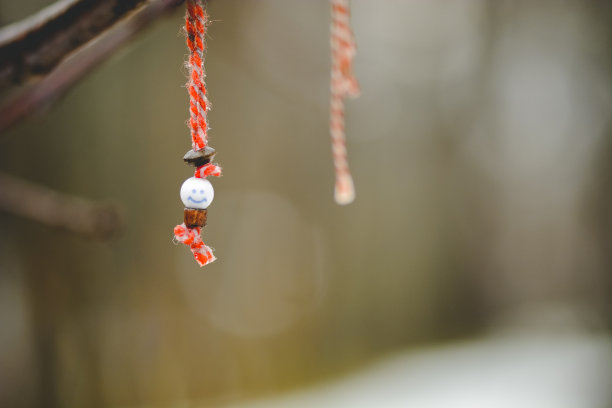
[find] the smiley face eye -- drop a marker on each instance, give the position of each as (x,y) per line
(201,191)
(193,191)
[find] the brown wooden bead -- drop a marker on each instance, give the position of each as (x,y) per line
(200,157)
(195,218)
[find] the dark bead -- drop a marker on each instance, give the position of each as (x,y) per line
(200,157)
(195,218)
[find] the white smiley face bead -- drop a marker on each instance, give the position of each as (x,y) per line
(197,193)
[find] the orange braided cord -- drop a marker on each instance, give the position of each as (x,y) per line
(343,84)
(195,28)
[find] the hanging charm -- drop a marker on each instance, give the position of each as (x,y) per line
(343,84)
(196,192)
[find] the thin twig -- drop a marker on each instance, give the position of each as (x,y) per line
(74,214)
(72,70)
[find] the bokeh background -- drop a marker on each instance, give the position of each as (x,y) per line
(480,148)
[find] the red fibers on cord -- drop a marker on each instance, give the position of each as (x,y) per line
(343,84)
(195,28)
(208,170)
(191,237)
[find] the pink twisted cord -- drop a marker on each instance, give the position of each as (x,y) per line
(343,84)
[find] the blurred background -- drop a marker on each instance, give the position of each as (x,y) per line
(472,270)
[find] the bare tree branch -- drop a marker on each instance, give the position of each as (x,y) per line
(74,214)
(73,69)
(37,44)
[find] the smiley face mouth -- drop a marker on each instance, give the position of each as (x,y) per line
(196,201)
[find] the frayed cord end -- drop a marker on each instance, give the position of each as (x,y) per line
(345,190)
